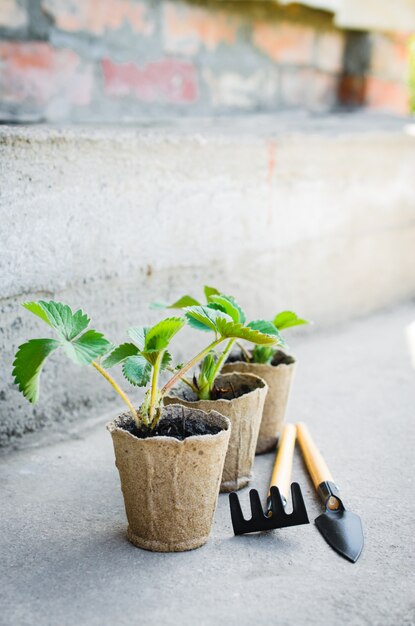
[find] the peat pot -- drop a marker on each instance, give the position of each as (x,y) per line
(278,375)
(171,486)
(240,397)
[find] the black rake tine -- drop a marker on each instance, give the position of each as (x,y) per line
(277,504)
(299,509)
(256,506)
(262,521)
(236,513)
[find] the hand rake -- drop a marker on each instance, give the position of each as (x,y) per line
(275,515)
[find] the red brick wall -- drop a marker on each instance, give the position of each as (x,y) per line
(114,60)
(383,85)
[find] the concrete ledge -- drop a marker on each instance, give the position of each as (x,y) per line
(65,558)
(317,214)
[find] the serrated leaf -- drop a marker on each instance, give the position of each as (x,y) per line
(179,304)
(66,323)
(37,309)
(239,331)
(268,328)
(137,370)
(60,316)
(158,305)
(160,335)
(119,354)
(166,360)
(228,305)
(87,347)
(184,301)
(242,316)
(264,326)
(209,292)
(28,364)
(287,319)
(205,318)
(207,366)
(138,335)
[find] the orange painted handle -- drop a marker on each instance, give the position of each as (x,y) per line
(281,474)
(316,465)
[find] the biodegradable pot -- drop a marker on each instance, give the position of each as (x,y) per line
(170,487)
(244,410)
(278,375)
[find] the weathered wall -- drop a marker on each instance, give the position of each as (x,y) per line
(122,60)
(281,214)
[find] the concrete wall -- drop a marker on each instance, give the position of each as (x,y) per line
(123,60)
(315,216)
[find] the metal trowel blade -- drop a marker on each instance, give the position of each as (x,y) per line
(343,532)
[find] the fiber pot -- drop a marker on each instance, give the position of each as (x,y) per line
(242,402)
(170,487)
(278,375)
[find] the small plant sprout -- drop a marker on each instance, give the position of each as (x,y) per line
(142,359)
(222,315)
(260,353)
(225,319)
(282,321)
(187,300)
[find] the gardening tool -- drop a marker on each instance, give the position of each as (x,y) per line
(275,515)
(340,528)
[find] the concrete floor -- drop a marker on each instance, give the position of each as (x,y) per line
(65,559)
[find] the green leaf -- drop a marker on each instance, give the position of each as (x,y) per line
(66,323)
(205,318)
(28,364)
(60,316)
(166,360)
(119,354)
(87,347)
(287,319)
(228,305)
(137,370)
(179,304)
(138,335)
(207,367)
(158,305)
(184,301)
(209,292)
(239,331)
(206,374)
(268,328)
(37,309)
(242,316)
(160,335)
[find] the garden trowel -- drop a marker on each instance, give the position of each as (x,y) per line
(340,528)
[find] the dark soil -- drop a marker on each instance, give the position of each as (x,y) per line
(172,427)
(279,358)
(236,356)
(229,392)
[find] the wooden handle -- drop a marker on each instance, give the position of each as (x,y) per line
(281,474)
(316,465)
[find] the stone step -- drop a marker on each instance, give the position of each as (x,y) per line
(314,214)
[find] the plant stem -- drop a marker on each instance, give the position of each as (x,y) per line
(118,390)
(244,352)
(189,384)
(183,379)
(154,385)
(221,361)
(170,383)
